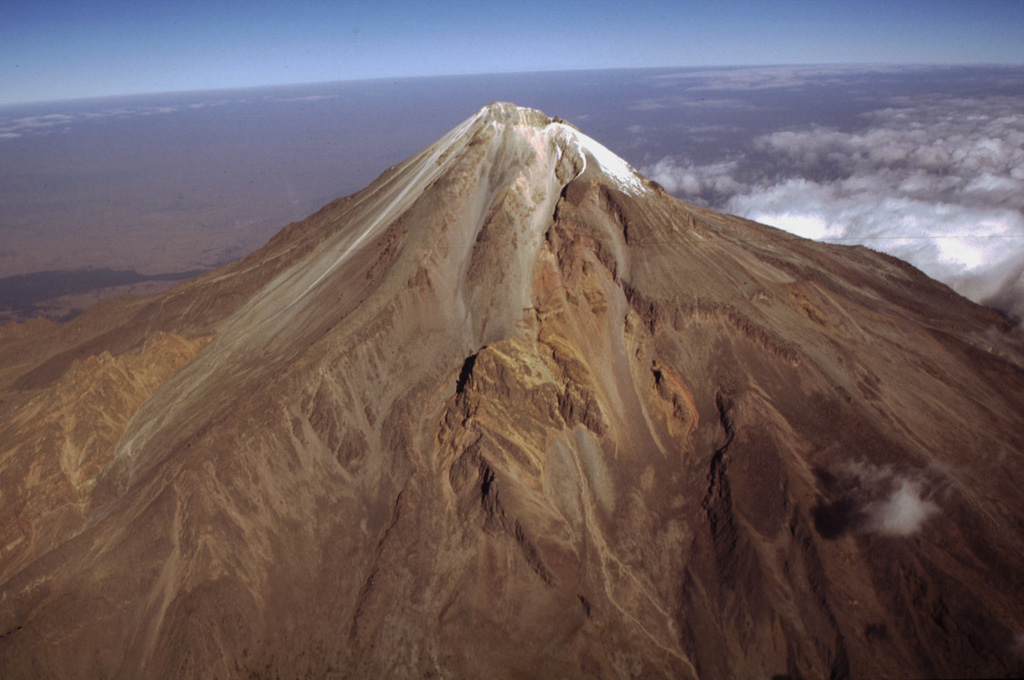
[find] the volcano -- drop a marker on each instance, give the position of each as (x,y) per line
(514,411)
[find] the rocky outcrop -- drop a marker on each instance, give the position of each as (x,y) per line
(60,440)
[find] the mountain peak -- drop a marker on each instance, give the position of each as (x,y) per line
(510,411)
(542,131)
(507,113)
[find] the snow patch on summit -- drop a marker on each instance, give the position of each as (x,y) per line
(613,166)
(539,130)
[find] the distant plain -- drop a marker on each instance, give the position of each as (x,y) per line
(105,196)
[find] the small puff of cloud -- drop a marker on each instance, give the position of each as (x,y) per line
(1018,645)
(900,514)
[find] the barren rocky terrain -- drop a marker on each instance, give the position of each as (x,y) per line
(514,411)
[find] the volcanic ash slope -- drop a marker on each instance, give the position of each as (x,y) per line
(513,411)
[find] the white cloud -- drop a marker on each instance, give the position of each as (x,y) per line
(1003,188)
(900,514)
(692,180)
(772,77)
(308,98)
(974,250)
(885,501)
(938,183)
(11,128)
(689,101)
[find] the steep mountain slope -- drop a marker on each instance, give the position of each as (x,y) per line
(513,411)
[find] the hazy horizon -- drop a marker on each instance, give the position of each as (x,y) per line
(55,50)
(582,70)
(923,162)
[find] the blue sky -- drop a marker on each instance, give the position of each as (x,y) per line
(53,49)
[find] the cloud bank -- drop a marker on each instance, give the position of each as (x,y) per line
(938,182)
(12,127)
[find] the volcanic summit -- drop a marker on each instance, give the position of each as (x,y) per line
(514,411)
